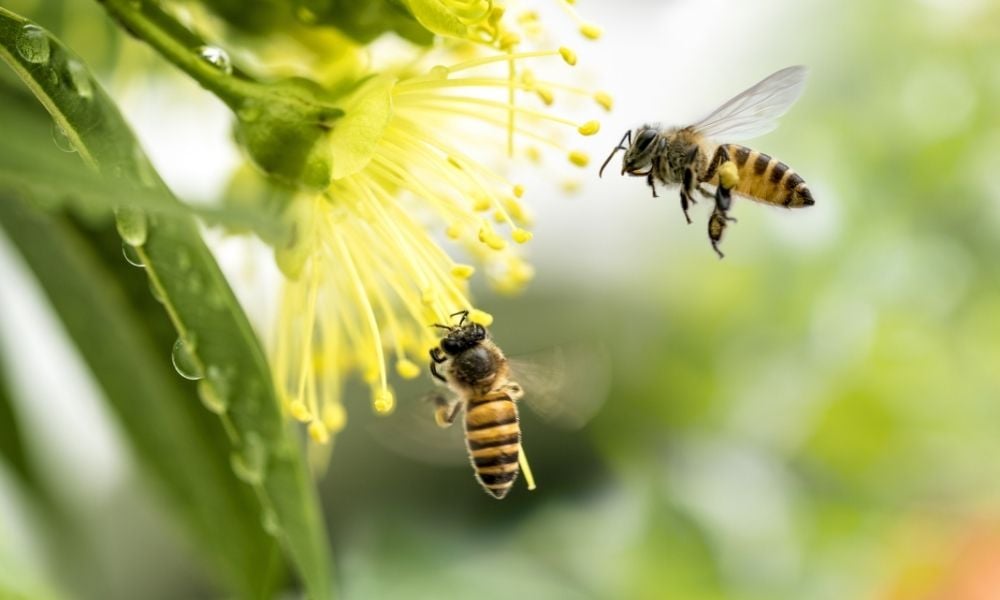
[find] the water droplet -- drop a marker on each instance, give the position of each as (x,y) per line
(79,79)
(131,224)
(131,255)
(155,292)
(33,44)
(248,464)
(216,57)
(185,361)
(214,390)
(61,139)
(269,520)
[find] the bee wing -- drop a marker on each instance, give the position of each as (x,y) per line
(566,385)
(411,431)
(755,111)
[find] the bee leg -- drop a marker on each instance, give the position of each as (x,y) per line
(705,193)
(686,186)
(436,358)
(716,225)
(652,183)
(445,410)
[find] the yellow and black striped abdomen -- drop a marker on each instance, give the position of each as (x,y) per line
(493,437)
(768,179)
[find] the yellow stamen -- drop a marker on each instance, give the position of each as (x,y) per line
(591,31)
(407,369)
(522,460)
(568,55)
(318,432)
(589,128)
(604,99)
(521,235)
(579,158)
(463,271)
(478,316)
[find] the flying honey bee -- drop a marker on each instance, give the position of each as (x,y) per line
(477,372)
(692,155)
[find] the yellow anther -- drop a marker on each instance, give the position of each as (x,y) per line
(579,158)
(334,416)
(481,203)
(509,39)
(318,432)
(491,239)
(729,175)
(521,235)
(533,154)
(516,210)
(299,411)
(521,272)
(407,369)
(482,317)
(462,271)
(383,401)
(604,99)
(453,162)
(499,216)
(589,128)
(528,77)
(527,16)
(591,31)
(570,186)
(568,55)
(428,296)
(453,231)
(518,190)
(546,95)
(439,72)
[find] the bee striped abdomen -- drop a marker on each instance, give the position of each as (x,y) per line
(768,179)
(493,437)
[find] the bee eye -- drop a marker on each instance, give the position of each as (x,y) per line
(644,139)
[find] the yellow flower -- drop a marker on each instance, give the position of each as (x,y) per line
(366,276)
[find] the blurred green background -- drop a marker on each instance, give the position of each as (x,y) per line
(816,416)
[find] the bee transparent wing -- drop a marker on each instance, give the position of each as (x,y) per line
(566,385)
(411,431)
(756,110)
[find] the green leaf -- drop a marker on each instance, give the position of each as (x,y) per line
(215,339)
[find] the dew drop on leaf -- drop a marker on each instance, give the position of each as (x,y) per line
(79,79)
(33,44)
(269,520)
(131,224)
(61,139)
(248,464)
(155,292)
(131,255)
(217,57)
(214,390)
(185,361)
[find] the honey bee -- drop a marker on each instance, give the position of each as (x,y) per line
(478,374)
(691,156)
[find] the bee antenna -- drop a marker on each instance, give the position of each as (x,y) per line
(620,146)
(465,316)
(445,327)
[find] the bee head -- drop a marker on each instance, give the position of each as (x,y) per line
(639,156)
(638,153)
(461,338)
